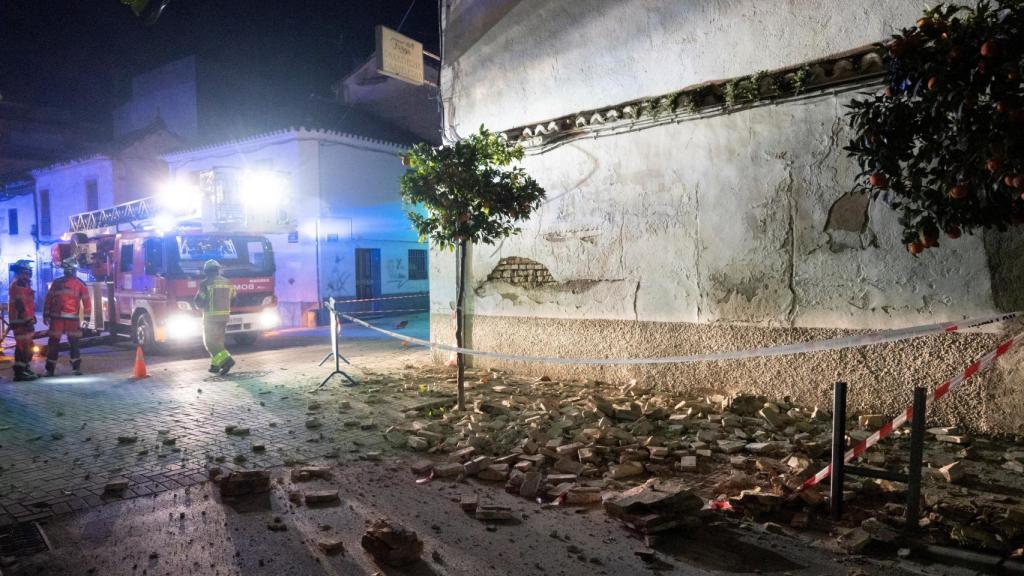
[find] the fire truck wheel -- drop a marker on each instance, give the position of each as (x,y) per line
(142,333)
(246,338)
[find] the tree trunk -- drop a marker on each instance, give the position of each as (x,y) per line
(460,322)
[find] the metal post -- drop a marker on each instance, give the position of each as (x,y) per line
(335,345)
(838,449)
(916,456)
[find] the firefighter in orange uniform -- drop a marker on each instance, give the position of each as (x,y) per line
(66,297)
(22,313)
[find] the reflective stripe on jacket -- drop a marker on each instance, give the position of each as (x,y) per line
(215,296)
(65,296)
(21,303)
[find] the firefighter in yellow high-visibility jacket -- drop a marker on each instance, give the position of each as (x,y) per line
(214,299)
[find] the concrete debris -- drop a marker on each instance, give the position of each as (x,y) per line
(448,470)
(115,487)
(308,473)
(871,421)
(654,506)
(392,544)
(244,483)
(417,443)
(953,472)
(469,503)
(493,513)
(421,467)
(322,497)
(332,546)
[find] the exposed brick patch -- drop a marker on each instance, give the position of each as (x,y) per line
(521,272)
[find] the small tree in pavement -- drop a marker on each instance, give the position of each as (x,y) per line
(471,193)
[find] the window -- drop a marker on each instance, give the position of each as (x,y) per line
(417,264)
(127,255)
(257,257)
(44,212)
(92,196)
(154,255)
(12,221)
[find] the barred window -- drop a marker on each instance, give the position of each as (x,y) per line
(417,264)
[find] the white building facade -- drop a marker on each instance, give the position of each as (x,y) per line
(352,239)
(128,170)
(667,233)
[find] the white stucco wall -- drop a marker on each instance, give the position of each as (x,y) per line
(344,192)
(67,187)
(722,219)
(546,58)
(18,246)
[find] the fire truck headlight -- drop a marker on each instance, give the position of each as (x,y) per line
(182,327)
(269,319)
(164,223)
(263,190)
(269,300)
(178,197)
(183,305)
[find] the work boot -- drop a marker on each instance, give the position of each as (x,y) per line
(76,368)
(226,366)
(24,376)
(213,369)
(49,373)
(76,372)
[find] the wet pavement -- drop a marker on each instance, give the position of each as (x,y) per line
(191,531)
(63,439)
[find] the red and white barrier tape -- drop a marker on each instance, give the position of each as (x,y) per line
(404,310)
(854,341)
(946,387)
(405,297)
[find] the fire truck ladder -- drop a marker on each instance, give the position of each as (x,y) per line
(127,213)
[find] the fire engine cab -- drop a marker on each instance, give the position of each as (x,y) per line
(142,279)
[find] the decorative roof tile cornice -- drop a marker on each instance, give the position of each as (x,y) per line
(853,69)
(284,134)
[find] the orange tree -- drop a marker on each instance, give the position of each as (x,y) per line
(944,143)
(472,193)
(148,10)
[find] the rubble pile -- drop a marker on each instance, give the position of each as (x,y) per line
(580,443)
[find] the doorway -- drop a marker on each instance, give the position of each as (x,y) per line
(368,275)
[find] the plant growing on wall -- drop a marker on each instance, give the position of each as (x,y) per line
(944,143)
(472,193)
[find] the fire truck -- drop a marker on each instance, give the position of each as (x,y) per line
(144,261)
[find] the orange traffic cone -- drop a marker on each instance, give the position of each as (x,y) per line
(140,365)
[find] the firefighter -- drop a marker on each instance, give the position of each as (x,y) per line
(66,297)
(22,312)
(214,299)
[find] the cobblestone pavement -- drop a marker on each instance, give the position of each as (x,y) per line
(63,439)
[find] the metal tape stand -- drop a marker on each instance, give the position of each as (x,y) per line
(335,343)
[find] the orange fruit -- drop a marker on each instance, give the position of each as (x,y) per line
(878,180)
(958,192)
(993,165)
(953,232)
(915,248)
(990,49)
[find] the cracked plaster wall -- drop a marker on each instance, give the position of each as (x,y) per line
(714,234)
